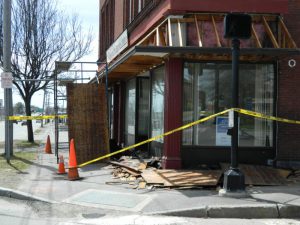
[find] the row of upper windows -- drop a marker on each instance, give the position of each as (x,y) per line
(131,9)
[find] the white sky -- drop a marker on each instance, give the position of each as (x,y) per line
(87,11)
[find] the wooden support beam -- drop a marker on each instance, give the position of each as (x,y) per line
(170,33)
(198,32)
(257,41)
(157,37)
(270,33)
(216,31)
(179,33)
(287,33)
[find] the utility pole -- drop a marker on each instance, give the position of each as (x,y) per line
(7,69)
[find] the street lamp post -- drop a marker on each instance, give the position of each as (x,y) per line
(237,26)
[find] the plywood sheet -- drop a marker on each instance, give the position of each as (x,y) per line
(87,120)
(181,178)
(191,178)
(261,175)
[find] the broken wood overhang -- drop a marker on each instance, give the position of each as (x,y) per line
(200,37)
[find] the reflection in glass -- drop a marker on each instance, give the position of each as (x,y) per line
(130,112)
(157,108)
(207,90)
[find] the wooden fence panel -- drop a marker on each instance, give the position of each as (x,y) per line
(87,120)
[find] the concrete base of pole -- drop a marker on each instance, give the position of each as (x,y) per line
(234,181)
(233,194)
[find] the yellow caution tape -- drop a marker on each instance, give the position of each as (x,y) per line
(36,117)
(243,111)
(263,116)
(155,138)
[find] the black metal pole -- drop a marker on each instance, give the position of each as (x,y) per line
(234,180)
(235,101)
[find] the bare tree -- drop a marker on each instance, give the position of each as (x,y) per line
(41,35)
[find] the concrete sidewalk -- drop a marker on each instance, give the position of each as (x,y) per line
(97,188)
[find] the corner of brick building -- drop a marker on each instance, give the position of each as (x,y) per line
(288,100)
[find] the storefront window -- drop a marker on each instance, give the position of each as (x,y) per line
(207,90)
(130,112)
(157,109)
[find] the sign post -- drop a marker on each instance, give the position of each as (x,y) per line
(7,78)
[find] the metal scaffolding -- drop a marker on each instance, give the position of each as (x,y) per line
(65,67)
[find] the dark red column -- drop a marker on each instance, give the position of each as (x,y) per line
(173,113)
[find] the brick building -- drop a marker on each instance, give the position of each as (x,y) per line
(169,65)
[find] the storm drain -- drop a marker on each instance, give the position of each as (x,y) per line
(110,199)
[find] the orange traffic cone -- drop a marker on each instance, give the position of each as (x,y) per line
(73,171)
(48,146)
(61,165)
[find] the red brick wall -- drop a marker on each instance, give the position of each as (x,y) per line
(288,105)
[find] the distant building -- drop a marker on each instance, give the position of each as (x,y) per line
(169,65)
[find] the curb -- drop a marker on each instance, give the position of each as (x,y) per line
(262,211)
(10,193)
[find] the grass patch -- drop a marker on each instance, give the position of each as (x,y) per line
(26,144)
(19,162)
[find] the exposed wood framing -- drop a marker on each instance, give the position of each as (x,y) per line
(269,32)
(170,32)
(157,37)
(287,33)
(198,32)
(216,31)
(257,41)
(162,34)
(179,33)
(162,38)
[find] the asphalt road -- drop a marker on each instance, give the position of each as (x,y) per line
(17,212)
(20,132)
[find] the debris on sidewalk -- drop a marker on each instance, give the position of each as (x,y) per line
(147,174)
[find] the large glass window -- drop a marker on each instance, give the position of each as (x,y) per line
(130,112)
(207,90)
(157,109)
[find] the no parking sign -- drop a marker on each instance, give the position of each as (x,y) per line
(6,80)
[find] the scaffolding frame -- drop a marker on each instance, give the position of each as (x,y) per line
(64,66)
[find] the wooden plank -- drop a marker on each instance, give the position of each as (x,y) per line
(179,33)
(170,33)
(198,32)
(130,171)
(257,41)
(151,177)
(287,33)
(125,166)
(185,178)
(216,31)
(269,32)
(157,37)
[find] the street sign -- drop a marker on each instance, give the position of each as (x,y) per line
(6,80)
